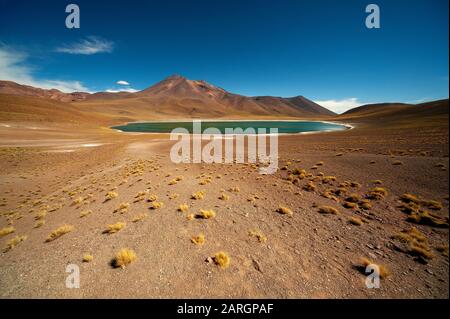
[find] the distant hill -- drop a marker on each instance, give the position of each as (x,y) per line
(388,114)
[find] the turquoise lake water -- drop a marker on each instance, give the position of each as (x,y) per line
(283,126)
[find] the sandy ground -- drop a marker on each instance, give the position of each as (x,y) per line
(306,255)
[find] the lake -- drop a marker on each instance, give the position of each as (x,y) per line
(286,127)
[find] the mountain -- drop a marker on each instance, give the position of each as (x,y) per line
(12,88)
(177,96)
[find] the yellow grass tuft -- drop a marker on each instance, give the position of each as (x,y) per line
(365,204)
(350,205)
(409,198)
(157,205)
(198,195)
(235,189)
(377,193)
(309,187)
(183,208)
(222,259)
(328,210)
(207,214)
(256,233)
(355,221)
(111,195)
(85,213)
(190,217)
(39,223)
(199,239)
(6,231)
(14,242)
(432,204)
(284,210)
(417,242)
(427,218)
(41,215)
(114,228)
(224,196)
(124,257)
(153,198)
(88,258)
(139,217)
(59,232)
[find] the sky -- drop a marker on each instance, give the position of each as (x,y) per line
(320,49)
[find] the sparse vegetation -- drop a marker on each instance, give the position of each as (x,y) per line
(260,236)
(124,257)
(111,195)
(156,205)
(139,217)
(59,232)
(328,210)
(284,210)
(199,239)
(198,195)
(14,242)
(222,259)
(206,214)
(224,196)
(85,213)
(183,208)
(355,221)
(6,231)
(377,193)
(88,258)
(114,228)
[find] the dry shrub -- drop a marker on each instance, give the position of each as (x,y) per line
(139,217)
(284,210)
(88,258)
(258,234)
(206,214)
(14,242)
(222,259)
(84,213)
(198,195)
(59,232)
(355,221)
(111,195)
(328,210)
(183,208)
(114,228)
(156,205)
(199,239)
(124,257)
(309,187)
(377,193)
(6,231)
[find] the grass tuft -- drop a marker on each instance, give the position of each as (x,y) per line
(222,259)
(114,228)
(199,239)
(59,232)
(14,242)
(183,208)
(206,214)
(124,257)
(6,231)
(88,258)
(284,210)
(328,210)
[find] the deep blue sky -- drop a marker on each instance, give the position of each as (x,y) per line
(319,48)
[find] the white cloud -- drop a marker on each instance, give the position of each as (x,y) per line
(121,82)
(340,106)
(129,90)
(13,67)
(88,46)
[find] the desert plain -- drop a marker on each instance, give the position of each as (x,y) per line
(75,191)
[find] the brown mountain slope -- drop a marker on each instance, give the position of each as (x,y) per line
(12,88)
(35,109)
(389,114)
(178,97)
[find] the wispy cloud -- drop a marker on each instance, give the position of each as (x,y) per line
(122,82)
(90,45)
(14,67)
(340,106)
